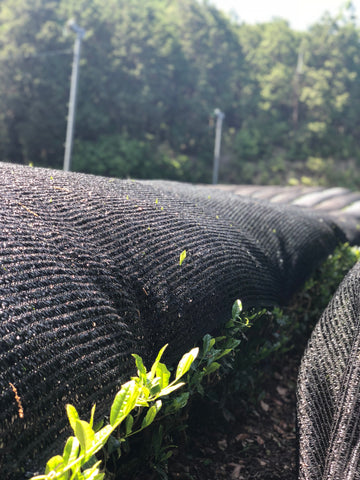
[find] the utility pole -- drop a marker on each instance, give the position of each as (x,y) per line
(218,127)
(297,78)
(80,32)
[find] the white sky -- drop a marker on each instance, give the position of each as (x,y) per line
(300,13)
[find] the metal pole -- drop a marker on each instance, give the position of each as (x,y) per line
(219,120)
(80,32)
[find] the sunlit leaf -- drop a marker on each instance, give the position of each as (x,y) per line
(164,375)
(102,435)
(92,415)
(93,473)
(171,388)
(182,257)
(124,402)
(54,463)
(73,415)
(157,360)
(236,309)
(185,362)
(71,450)
(85,434)
(140,366)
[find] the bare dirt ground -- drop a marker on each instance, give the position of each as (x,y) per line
(257,443)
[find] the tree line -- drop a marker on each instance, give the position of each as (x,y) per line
(153,71)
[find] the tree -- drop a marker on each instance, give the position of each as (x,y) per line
(32,50)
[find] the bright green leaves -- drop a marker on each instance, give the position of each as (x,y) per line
(151,414)
(85,434)
(54,463)
(139,401)
(163,375)
(140,366)
(215,349)
(154,368)
(182,257)
(142,391)
(236,309)
(71,450)
(124,402)
(186,362)
(73,415)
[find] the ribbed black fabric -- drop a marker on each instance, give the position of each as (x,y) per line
(329,390)
(89,273)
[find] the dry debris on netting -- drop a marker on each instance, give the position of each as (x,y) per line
(90,274)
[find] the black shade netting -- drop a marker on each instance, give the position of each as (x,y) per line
(89,273)
(329,390)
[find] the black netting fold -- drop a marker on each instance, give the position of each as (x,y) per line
(329,390)
(89,273)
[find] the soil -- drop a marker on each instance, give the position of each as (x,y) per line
(256,441)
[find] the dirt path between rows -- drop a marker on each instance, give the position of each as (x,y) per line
(257,443)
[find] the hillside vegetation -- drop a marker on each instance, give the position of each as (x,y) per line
(152,73)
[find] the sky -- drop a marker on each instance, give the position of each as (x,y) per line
(300,13)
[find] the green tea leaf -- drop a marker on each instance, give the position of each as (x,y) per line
(182,257)
(151,414)
(155,387)
(71,450)
(155,364)
(140,366)
(141,402)
(180,401)
(144,391)
(85,434)
(124,402)
(102,435)
(98,425)
(129,424)
(232,343)
(208,343)
(164,375)
(54,464)
(170,388)
(93,473)
(236,309)
(212,368)
(73,415)
(185,362)
(92,415)
(99,476)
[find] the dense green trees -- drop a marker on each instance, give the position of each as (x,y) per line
(153,71)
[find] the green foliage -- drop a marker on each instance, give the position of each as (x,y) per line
(125,157)
(78,461)
(280,330)
(320,288)
(136,407)
(156,445)
(144,403)
(182,257)
(152,71)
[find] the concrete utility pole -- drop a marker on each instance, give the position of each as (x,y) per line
(297,78)
(80,32)
(219,120)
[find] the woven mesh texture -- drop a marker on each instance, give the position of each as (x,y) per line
(89,273)
(340,204)
(329,390)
